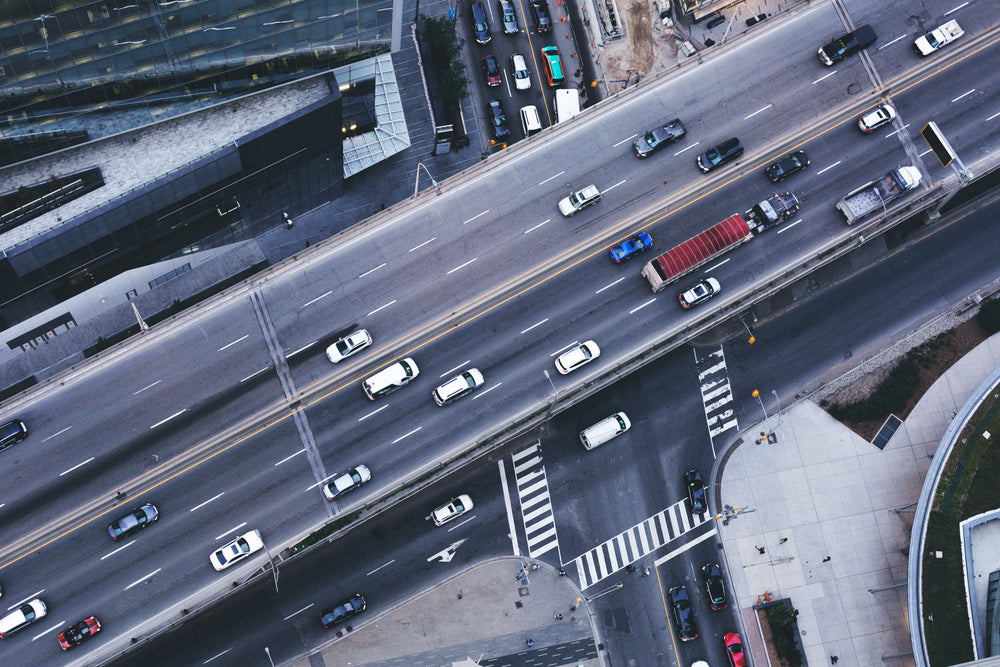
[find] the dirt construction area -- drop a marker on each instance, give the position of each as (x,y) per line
(647,47)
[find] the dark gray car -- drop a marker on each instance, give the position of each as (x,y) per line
(659,137)
(12,433)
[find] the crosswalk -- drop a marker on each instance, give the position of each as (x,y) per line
(535,502)
(605,559)
(716,393)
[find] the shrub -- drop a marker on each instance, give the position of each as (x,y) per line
(989,316)
(891,396)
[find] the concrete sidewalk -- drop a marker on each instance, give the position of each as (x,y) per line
(834,499)
(484,614)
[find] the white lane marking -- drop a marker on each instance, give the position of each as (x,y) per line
(889,136)
(288,458)
(715,266)
(551,177)
(168,418)
(254,374)
(461,266)
(417,247)
(566,347)
(69,427)
(372,270)
(963,95)
(610,285)
(60,624)
(993,116)
(788,225)
(476,216)
(301,349)
(956,8)
(761,110)
(537,324)
(230,531)
(825,76)
(929,150)
(637,308)
(537,226)
(373,412)
(615,185)
(406,435)
(511,528)
(903,36)
(309,303)
(676,552)
(625,141)
(30,597)
(143,579)
(380,567)
(82,463)
(150,386)
(207,502)
(461,365)
(687,148)
(380,308)
(459,525)
(217,656)
(828,168)
(486,391)
(127,544)
(299,611)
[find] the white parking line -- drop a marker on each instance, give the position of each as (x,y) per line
(715,266)
(637,308)
(929,150)
(825,76)
(299,611)
(54,627)
(785,227)
(616,185)
(380,308)
(560,350)
(380,567)
(118,549)
(301,349)
(236,341)
(551,177)
(462,266)
(758,111)
(537,226)
(139,581)
(30,597)
(255,373)
(537,324)
(993,116)
(83,463)
(889,136)
(486,391)
(372,270)
(150,386)
(373,412)
(230,531)
(288,458)
(828,168)
(417,247)
(687,148)
(307,303)
(476,216)
(610,285)
(956,8)
(168,418)
(903,36)
(207,502)
(69,427)
(217,656)
(406,435)
(963,95)
(461,365)
(625,141)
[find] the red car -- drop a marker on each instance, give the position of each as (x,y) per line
(734,649)
(75,634)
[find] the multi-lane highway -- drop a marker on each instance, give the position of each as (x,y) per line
(212,386)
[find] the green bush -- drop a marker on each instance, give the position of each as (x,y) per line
(891,396)
(989,316)
(447,55)
(781,618)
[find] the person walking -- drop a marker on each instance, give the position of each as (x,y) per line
(288,220)
(558,616)
(645,571)
(530,642)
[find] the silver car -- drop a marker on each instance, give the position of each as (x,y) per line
(348,345)
(508,17)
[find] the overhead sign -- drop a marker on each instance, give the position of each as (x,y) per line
(935,139)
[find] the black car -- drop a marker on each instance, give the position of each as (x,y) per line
(715,585)
(540,12)
(786,166)
(696,491)
(680,606)
(346,610)
(861,38)
(480,24)
(728,150)
(658,137)
(12,433)
(501,130)
(133,522)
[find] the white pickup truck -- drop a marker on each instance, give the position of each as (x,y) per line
(938,37)
(579,200)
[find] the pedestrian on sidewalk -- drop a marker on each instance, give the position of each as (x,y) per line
(558,616)
(645,571)
(760,550)
(534,566)
(562,572)
(826,560)
(530,643)
(782,540)
(630,568)
(288,220)
(834,659)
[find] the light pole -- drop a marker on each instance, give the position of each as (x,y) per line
(274,568)
(752,339)
(416,184)
(605,592)
(756,394)
(552,401)
(268,651)
(778,401)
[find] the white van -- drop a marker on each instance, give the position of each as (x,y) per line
(22,617)
(530,122)
(390,378)
(567,104)
(604,430)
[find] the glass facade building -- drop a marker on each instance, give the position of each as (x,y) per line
(77,70)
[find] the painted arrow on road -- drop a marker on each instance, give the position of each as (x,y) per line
(446,555)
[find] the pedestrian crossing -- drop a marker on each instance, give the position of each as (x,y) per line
(716,394)
(628,547)
(535,502)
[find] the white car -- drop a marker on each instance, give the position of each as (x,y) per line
(390,378)
(348,345)
(458,386)
(519,68)
(452,509)
(935,39)
(701,292)
(876,118)
(237,550)
(348,481)
(577,356)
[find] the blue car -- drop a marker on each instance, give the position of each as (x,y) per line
(633,246)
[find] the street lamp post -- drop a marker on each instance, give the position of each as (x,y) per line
(756,394)
(778,401)
(416,184)
(617,585)
(268,651)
